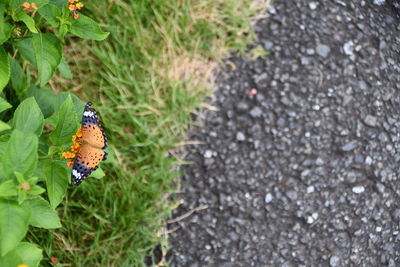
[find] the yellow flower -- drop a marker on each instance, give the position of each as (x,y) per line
(68,155)
(79,132)
(73,6)
(23,265)
(74,148)
(29,6)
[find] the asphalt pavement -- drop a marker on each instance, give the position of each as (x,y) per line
(304,170)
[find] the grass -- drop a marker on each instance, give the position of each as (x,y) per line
(145,80)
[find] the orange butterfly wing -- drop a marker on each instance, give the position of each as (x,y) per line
(93,135)
(89,154)
(86,161)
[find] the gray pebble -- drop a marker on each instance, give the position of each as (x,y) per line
(350,145)
(323,50)
(240,136)
(371,120)
(256,112)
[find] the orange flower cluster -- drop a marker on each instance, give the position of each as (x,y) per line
(74,148)
(73,6)
(29,7)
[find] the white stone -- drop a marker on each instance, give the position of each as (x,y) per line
(312,5)
(310,189)
(208,154)
(268,198)
(358,189)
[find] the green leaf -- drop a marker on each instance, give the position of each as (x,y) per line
(58,3)
(36,190)
(98,174)
(56,181)
(64,69)
(4,105)
(21,196)
(5,27)
(50,13)
(67,123)
(4,69)
(20,154)
(48,54)
(87,28)
(28,117)
(18,78)
(43,215)
(24,253)
(19,176)
(11,259)
(21,15)
(45,99)
(63,29)
(25,47)
(5,32)
(30,253)
(40,3)
(3,146)
(4,126)
(49,102)
(13,225)
(8,188)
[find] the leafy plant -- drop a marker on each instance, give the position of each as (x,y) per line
(33,135)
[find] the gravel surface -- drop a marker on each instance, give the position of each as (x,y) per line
(305,172)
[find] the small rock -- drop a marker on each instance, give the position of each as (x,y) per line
(208,154)
(379,2)
(350,146)
(323,50)
(334,261)
(371,120)
(292,195)
(268,198)
(256,112)
(362,85)
(312,5)
(348,48)
(280,122)
(304,61)
(310,51)
(358,159)
(368,160)
(242,106)
(358,189)
(310,189)
(380,187)
(316,107)
(240,136)
(268,45)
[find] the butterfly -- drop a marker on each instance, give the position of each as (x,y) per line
(89,153)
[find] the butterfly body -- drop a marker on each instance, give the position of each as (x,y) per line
(92,141)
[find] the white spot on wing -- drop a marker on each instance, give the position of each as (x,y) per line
(88,114)
(76,174)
